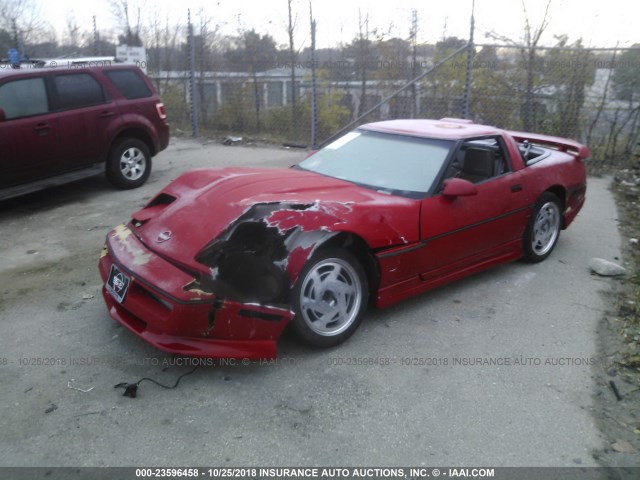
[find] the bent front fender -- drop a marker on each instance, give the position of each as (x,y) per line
(260,255)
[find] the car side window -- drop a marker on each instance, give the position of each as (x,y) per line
(478,160)
(23,98)
(77,90)
(129,83)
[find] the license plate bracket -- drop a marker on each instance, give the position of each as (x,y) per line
(117,284)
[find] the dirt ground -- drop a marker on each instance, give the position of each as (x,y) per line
(619,338)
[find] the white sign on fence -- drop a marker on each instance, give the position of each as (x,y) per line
(132,55)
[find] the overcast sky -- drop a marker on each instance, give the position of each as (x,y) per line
(599,23)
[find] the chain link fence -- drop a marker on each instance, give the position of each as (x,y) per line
(591,95)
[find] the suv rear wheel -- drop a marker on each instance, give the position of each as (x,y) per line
(129,163)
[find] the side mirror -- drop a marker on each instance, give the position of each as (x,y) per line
(457,187)
(3,117)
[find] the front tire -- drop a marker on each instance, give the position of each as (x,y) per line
(329,298)
(543,229)
(129,164)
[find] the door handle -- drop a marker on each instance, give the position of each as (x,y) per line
(105,114)
(516,188)
(42,129)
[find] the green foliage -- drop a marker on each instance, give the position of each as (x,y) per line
(443,90)
(175,104)
(626,76)
(6,42)
(539,91)
(236,111)
(254,53)
(392,60)
(568,73)
(331,116)
(450,44)
(493,98)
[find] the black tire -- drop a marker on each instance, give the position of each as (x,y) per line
(129,163)
(543,229)
(329,298)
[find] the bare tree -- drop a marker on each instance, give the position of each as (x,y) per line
(23,19)
(254,53)
(603,99)
(126,15)
(532,38)
(204,42)
(170,41)
(155,34)
(72,33)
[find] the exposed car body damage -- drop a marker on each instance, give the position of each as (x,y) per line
(258,257)
(209,266)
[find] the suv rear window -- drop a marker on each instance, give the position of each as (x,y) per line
(129,83)
(78,90)
(22,98)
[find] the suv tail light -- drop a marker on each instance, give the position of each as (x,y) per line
(161,111)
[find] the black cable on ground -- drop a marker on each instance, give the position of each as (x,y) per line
(131,389)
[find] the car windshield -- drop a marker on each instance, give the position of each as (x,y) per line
(391,163)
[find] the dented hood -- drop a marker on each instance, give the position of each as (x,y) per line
(201,205)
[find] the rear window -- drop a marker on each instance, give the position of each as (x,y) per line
(78,90)
(129,83)
(23,98)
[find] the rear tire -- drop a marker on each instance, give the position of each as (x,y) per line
(129,164)
(543,229)
(329,298)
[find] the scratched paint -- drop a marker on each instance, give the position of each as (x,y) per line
(122,233)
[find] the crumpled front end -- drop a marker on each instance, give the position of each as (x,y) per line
(165,306)
(207,267)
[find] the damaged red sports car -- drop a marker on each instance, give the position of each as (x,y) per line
(223,259)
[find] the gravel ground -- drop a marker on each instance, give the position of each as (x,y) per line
(619,339)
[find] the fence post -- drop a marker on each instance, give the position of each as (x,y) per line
(96,38)
(467,81)
(314,87)
(192,77)
(16,37)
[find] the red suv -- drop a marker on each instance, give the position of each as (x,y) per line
(58,125)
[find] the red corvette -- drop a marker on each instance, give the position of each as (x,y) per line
(223,259)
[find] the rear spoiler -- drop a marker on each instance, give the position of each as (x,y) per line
(561,144)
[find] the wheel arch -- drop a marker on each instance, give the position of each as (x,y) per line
(560,192)
(138,134)
(360,249)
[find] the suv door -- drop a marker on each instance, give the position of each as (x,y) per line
(84,114)
(28,135)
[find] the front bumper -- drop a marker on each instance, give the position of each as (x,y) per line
(160,309)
